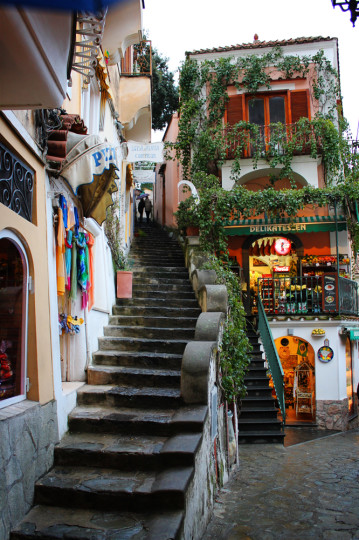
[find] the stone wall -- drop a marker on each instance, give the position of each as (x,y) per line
(28,434)
(335,415)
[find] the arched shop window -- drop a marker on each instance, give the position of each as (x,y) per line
(13,318)
(349,375)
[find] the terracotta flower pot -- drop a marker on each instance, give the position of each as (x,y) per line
(124,284)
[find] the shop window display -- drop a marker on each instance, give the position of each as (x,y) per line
(12,281)
(298,361)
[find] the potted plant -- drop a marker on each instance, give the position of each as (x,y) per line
(121,266)
(187,217)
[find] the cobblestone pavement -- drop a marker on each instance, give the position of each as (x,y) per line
(306,491)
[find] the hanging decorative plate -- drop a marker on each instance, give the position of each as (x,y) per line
(325,354)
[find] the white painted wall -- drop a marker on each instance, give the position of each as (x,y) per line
(330,378)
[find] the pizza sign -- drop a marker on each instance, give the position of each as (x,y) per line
(282,246)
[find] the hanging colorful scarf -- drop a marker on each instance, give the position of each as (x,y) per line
(68,248)
(91,289)
(73,291)
(82,266)
(63,204)
(60,250)
(77,222)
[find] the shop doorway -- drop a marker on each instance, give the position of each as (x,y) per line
(298,362)
(270,258)
(13,319)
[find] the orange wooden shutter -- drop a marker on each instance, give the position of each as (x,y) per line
(234,109)
(299,105)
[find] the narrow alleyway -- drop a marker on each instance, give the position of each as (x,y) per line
(306,491)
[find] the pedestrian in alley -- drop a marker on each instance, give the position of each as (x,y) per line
(141,207)
(148,208)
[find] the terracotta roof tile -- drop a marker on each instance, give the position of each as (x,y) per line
(262,44)
(57,141)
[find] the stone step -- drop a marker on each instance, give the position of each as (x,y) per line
(148,332)
(152,321)
(159,281)
(141,377)
(258,424)
(141,285)
(258,413)
(149,292)
(157,311)
(138,359)
(255,380)
(158,302)
(260,437)
(126,452)
(258,391)
(164,422)
(129,396)
(144,345)
(111,489)
(166,270)
(53,522)
(255,402)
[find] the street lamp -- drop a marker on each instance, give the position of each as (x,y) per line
(348,5)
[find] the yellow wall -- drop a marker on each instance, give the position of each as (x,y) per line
(34,237)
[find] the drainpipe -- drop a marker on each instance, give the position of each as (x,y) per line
(337,248)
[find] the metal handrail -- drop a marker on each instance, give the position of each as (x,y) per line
(275,367)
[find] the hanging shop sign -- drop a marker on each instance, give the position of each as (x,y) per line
(143,176)
(282,246)
(354,334)
(284,225)
(90,170)
(136,152)
(281,269)
(325,354)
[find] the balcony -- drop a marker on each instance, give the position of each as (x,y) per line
(137,60)
(308,296)
(265,141)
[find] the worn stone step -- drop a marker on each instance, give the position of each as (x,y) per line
(259,391)
(164,280)
(267,412)
(255,380)
(181,286)
(166,422)
(260,437)
(170,270)
(157,311)
(153,321)
(149,292)
(156,301)
(143,345)
(135,376)
(148,332)
(261,424)
(129,396)
(54,522)
(111,489)
(126,452)
(137,359)
(256,402)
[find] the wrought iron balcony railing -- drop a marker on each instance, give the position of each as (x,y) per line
(245,142)
(312,295)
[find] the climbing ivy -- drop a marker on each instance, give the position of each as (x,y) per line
(203,145)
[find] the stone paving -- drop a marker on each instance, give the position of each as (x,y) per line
(306,491)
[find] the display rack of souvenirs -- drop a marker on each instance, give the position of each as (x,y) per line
(7,373)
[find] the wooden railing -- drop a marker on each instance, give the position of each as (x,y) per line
(312,295)
(269,139)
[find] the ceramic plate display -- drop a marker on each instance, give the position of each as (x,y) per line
(325,354)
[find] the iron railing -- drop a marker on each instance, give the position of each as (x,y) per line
(309,295)
(272,358)
(270,139)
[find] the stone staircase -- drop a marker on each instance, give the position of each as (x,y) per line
(123,469)
(258,420)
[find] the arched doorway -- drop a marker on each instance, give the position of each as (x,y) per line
(297,357)
(13,318)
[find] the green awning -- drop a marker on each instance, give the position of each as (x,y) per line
(310,224)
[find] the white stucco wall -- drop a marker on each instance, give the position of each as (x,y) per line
(330,378)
